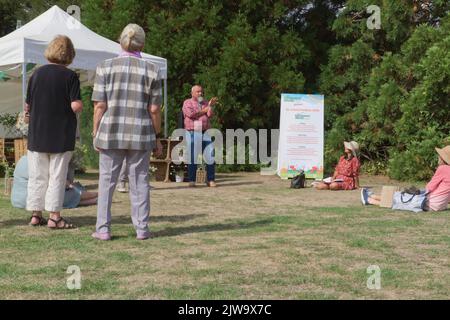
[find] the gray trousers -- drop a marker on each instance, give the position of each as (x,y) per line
(123,176)
(137,165)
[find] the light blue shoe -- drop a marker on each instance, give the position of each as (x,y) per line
(364,196)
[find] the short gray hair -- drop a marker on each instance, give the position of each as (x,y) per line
(132,38)
(197,85)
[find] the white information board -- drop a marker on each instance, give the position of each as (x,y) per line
(301,136)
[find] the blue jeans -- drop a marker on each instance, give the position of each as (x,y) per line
(194,150)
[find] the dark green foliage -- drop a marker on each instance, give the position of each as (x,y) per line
(254,68)
(425,119)
(86,118)
(26,10)
(8,120)
(245,52)
(235,167)
(418,160)
(407,105)
(388,89)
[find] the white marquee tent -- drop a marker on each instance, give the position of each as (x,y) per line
(23,49)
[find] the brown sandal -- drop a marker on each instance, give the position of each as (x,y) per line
(65,225)
(41,221)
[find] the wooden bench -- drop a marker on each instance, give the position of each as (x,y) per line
(2,149)
(20,148)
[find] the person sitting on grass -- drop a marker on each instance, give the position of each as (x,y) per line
(437,190)
(346,173)
(74,195)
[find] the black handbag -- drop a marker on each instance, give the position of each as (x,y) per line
(299,181)
(412,190)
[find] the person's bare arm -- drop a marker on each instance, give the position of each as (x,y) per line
(211,103)
(99,111)
(26,118)
(208,109)
(100,98)
(357,186)
(77,106)
(155,115)
(204,110)
(334,174)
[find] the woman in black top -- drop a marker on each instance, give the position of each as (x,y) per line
(53,99)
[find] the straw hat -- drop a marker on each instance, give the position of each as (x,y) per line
(444,153)
(352,145)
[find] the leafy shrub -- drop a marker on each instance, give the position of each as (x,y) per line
(79,157)
(419,160)
(86,118)
(235,167)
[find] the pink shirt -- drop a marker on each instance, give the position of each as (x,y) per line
(193,122)
(439,189)
(136,54)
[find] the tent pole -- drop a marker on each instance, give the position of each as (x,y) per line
(24,84)
(165,108)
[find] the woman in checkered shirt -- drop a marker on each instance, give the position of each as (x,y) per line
(127,99)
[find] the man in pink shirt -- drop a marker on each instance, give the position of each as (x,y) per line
(438,189)
(196,113)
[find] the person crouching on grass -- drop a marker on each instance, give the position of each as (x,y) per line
(346,171)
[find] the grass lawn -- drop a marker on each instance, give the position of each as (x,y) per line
(250,238)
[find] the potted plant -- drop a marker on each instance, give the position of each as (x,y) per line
(8,121)
(78,157)
(9,173)
(152,173)
(179,175)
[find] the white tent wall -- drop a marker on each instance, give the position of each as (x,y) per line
(11,91)
(27,45)
(10,102)
(11,96)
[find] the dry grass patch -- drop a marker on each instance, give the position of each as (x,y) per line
(250,238)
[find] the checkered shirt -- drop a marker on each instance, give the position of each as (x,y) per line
(128,85)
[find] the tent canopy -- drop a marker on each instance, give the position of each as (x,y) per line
(24,48)
(28,43)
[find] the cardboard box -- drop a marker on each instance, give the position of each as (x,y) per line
(387,194)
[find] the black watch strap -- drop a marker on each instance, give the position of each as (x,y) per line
(159,135)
